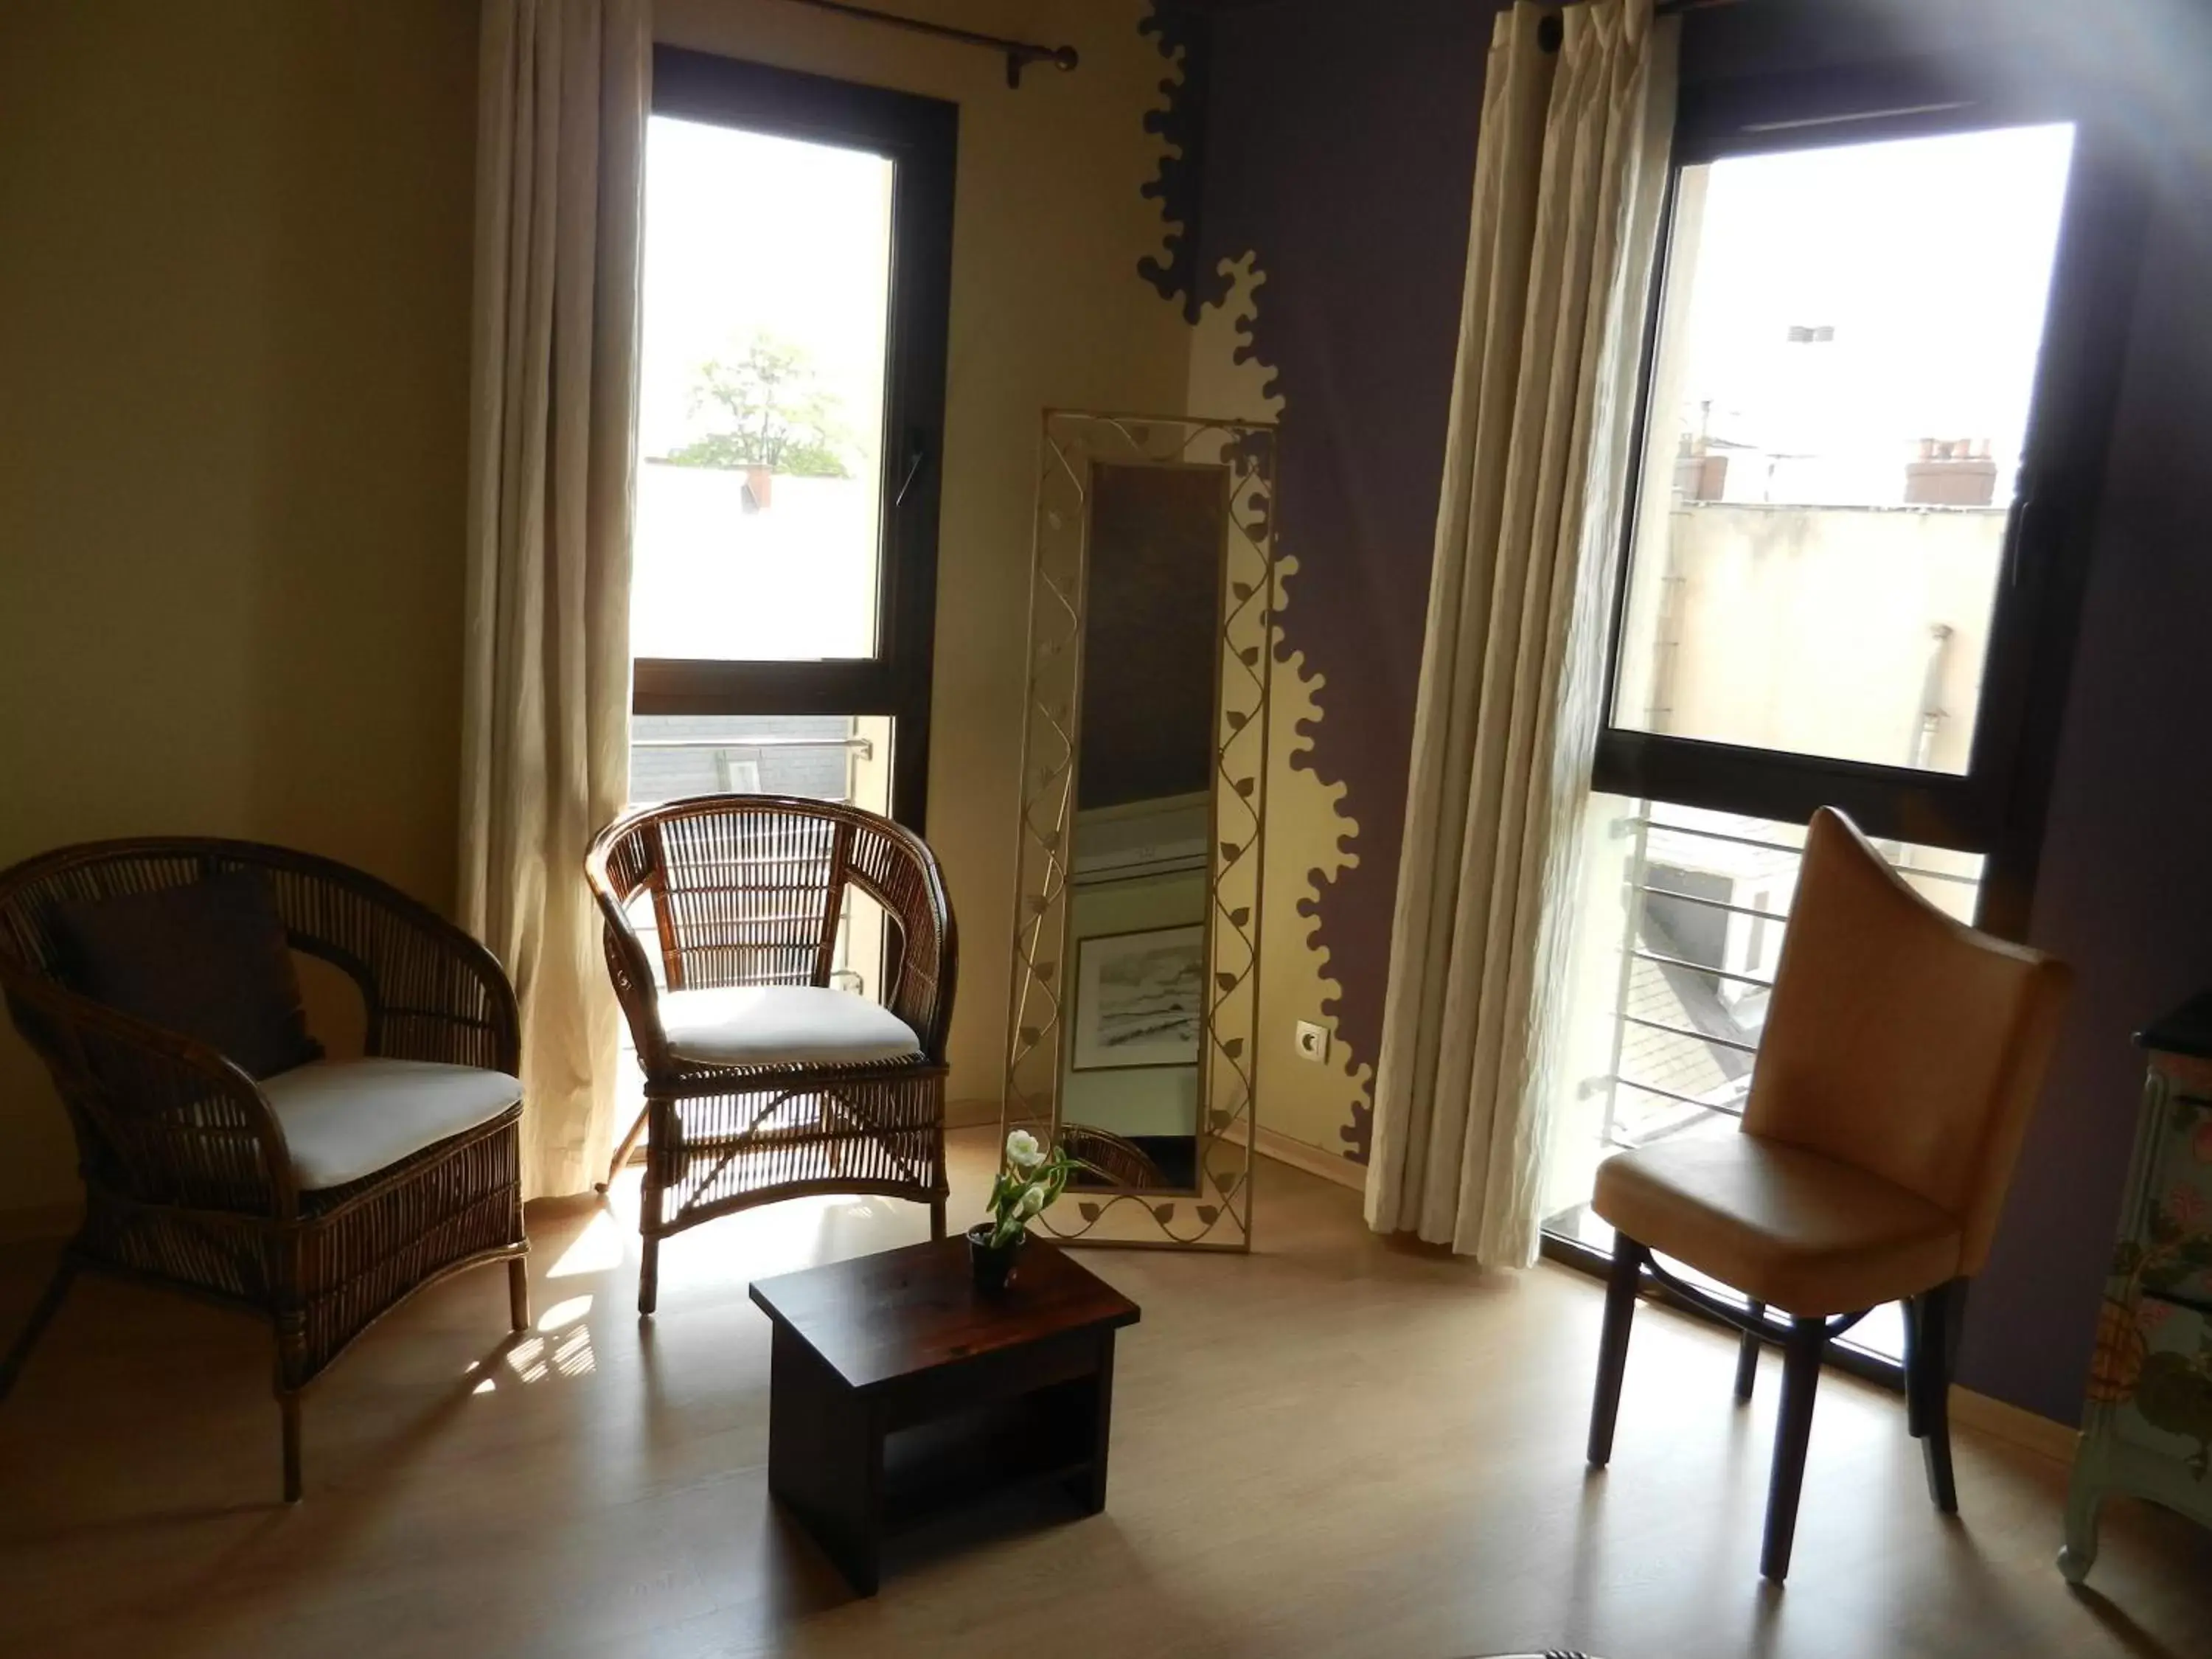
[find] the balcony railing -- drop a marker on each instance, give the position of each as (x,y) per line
(676,756)
(1657,987)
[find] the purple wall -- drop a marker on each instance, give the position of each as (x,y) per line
(2125,889)
(1343,156)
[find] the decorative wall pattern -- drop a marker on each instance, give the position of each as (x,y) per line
(1184,37)
(1310,838)
(1307,127)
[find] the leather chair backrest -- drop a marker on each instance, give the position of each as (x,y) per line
(1899,1040)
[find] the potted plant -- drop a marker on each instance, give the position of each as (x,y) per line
(1030,1178)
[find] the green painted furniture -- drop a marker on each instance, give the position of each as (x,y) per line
(2147,1429)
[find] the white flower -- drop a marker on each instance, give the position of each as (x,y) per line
(1022,1151)
(1032,1198)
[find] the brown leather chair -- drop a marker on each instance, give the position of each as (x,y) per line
(1902,1054)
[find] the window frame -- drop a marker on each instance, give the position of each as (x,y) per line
(1996,807)
(920,137)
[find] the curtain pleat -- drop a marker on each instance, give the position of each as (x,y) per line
(1568,172)
(563,99)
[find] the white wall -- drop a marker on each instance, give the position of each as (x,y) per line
(1811,628)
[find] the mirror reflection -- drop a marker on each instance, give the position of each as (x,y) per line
(1137,912)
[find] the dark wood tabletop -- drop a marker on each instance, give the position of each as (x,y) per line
(875,1319)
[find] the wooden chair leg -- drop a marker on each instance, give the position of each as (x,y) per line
(1916,1396)
(518,1292)
(288,1405)
(622,1152)
(1747,1356)
(1931,1325)
(1793,1433)
(648,1276)
(651,1199)
(1621,1287)
(49,1304)
(936,1220)
(291,1329)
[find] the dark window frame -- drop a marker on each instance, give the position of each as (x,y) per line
(921,135)
(1996,808)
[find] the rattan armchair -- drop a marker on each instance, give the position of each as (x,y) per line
(749,892)
(190,1181)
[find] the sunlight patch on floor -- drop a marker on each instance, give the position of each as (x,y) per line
(564,1313)
(599,1249)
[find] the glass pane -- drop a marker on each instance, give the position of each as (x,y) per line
(1846,356)
(761,396)
(839,757)
(1678,934)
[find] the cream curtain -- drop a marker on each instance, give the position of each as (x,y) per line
(1568,174)
(563,102)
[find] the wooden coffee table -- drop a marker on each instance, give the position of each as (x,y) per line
(897,1391)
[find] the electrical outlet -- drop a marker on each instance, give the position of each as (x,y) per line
(1313,1042)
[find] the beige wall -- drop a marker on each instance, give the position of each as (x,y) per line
(233,326)
(234,245)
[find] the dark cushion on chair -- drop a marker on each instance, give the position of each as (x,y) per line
(208,959)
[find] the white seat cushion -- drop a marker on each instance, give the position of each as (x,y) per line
(344,1119)
(783,1025)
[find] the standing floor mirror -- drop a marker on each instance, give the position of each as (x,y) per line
(1134,1038)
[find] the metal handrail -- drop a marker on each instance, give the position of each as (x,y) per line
(1645,827)
(1665,827)
(1660,959)
(1694,1037)
(865,747)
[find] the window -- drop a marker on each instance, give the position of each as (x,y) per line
(1826,586)
(1883,348)
(797,241)
(797,280)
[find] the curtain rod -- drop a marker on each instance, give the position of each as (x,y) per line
(1552,31)
(1020,54)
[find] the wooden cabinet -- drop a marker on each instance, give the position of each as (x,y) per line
(2147,1427)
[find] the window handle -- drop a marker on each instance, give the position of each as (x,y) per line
(917,452)
(2022,507)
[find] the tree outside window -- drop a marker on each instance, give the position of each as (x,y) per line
(769,409)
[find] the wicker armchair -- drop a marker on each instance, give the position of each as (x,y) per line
(190,1179)
(1113,1160)
(787,1088)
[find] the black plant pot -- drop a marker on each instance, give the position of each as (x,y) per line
(991,1266)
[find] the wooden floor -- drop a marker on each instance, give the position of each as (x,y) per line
(1333,1446)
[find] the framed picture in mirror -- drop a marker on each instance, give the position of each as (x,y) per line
(1138,999)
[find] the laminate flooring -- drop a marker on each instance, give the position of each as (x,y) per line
(1335,1445)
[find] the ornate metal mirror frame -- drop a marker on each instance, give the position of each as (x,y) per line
(1209,1204)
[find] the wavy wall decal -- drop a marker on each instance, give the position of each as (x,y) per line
(1345,157)
(1309,835)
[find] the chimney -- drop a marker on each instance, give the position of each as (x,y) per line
(1951,472)
(1699,474)
(759,489)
